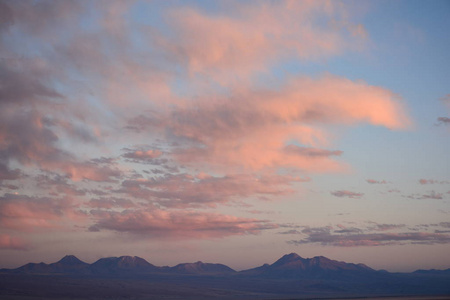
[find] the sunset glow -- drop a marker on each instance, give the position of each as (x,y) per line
(227,131)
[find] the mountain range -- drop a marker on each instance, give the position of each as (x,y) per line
(288,266)
(291,276)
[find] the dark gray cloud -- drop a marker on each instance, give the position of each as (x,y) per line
(311,152)
(110,202)
(348,194)
(374,239)
(432,195)
(8,174)
(145,156)
(58,184)
(384,227)
(443,120)
(374,234)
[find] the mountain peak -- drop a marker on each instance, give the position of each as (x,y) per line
(320,259)
(132,262)
(200,267)
(71,260)
(291,257)
(124,263)
(289,261)
(129,258)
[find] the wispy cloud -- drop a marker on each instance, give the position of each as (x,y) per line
(373,181)
(143,156)
(375,239)
(432,181)
(348,194)
(443,120)
(432,195)
(429,195)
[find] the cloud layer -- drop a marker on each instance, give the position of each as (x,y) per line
(373,235)
(151,127)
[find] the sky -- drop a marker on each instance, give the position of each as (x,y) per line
(230,132)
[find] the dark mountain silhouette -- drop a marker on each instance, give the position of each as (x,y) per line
(70,260)
(127,264)
(68,264)
(292,265)
(33,268)
(255,271)
(202,268)
(289,277)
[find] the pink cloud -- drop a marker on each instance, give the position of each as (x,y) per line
(245,132)
(349,194)
(177,224)
(257,35)
(25,213)
(8,242)
(250,128)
